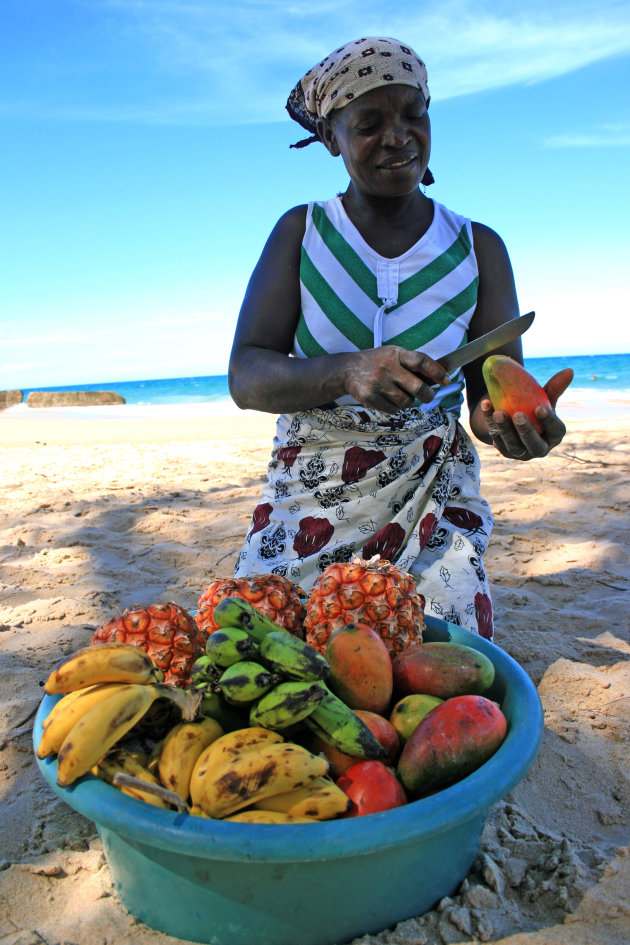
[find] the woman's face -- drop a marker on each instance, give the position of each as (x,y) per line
(384,138)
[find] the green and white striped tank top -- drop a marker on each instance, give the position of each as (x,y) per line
(353,299)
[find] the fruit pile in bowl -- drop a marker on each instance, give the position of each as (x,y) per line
(273,729)
(356,706)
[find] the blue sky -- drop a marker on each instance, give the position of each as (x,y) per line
(145,158)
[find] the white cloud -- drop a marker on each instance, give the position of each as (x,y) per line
(602,136)
(236,62)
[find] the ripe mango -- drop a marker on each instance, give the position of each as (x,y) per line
(452,741)
(360,668)
(441,669)
(513,389)
(372,787)
(409,712)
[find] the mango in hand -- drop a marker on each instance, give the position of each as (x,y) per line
(513,389)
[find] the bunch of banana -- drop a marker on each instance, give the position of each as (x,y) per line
(210,774)
(241,768)
(309,699)
(108,689)
(277,682)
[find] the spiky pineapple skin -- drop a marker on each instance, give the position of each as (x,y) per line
(166,632)
(274,595)
(374,592)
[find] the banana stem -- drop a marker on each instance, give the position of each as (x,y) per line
(121,779)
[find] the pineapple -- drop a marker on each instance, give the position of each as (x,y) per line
(166,632)
(272,594)
(374,592)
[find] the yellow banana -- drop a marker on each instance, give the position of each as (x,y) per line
(181,748)
(66,713)
(119,759)
(100,727)
(104,662)
(226,748)
(319,800)
(268,817)
(196,812)
(67,700)
(255,774)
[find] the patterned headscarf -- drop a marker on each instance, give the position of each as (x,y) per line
(349,72)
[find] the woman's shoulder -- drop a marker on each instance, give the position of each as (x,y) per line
(294,218)
(292,225)
(289,230)
(485,238)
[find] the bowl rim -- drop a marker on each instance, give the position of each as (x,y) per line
(421,819)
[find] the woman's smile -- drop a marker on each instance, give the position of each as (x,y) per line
(398,162)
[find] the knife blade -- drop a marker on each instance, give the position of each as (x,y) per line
(486,343)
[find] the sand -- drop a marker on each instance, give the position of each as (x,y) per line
(99,513)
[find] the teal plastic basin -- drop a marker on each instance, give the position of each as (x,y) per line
(314,884)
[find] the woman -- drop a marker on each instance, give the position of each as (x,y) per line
(347,312)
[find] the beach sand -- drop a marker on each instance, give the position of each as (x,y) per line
(98,515)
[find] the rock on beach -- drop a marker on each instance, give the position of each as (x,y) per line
(73,398)
(8,398)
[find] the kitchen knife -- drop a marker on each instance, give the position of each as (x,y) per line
(486,343)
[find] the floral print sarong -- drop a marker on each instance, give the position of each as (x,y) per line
(354,481)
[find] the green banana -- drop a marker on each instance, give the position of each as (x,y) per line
(203,670)
(334,722)
(236,612)
(292,658)
(216,707)
(246,681)
(286,704)
(228,645)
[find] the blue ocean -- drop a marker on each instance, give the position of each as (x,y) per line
(605,375)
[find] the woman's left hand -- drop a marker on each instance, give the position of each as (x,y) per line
(516,437)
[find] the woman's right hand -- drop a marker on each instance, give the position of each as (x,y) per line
(391,378)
